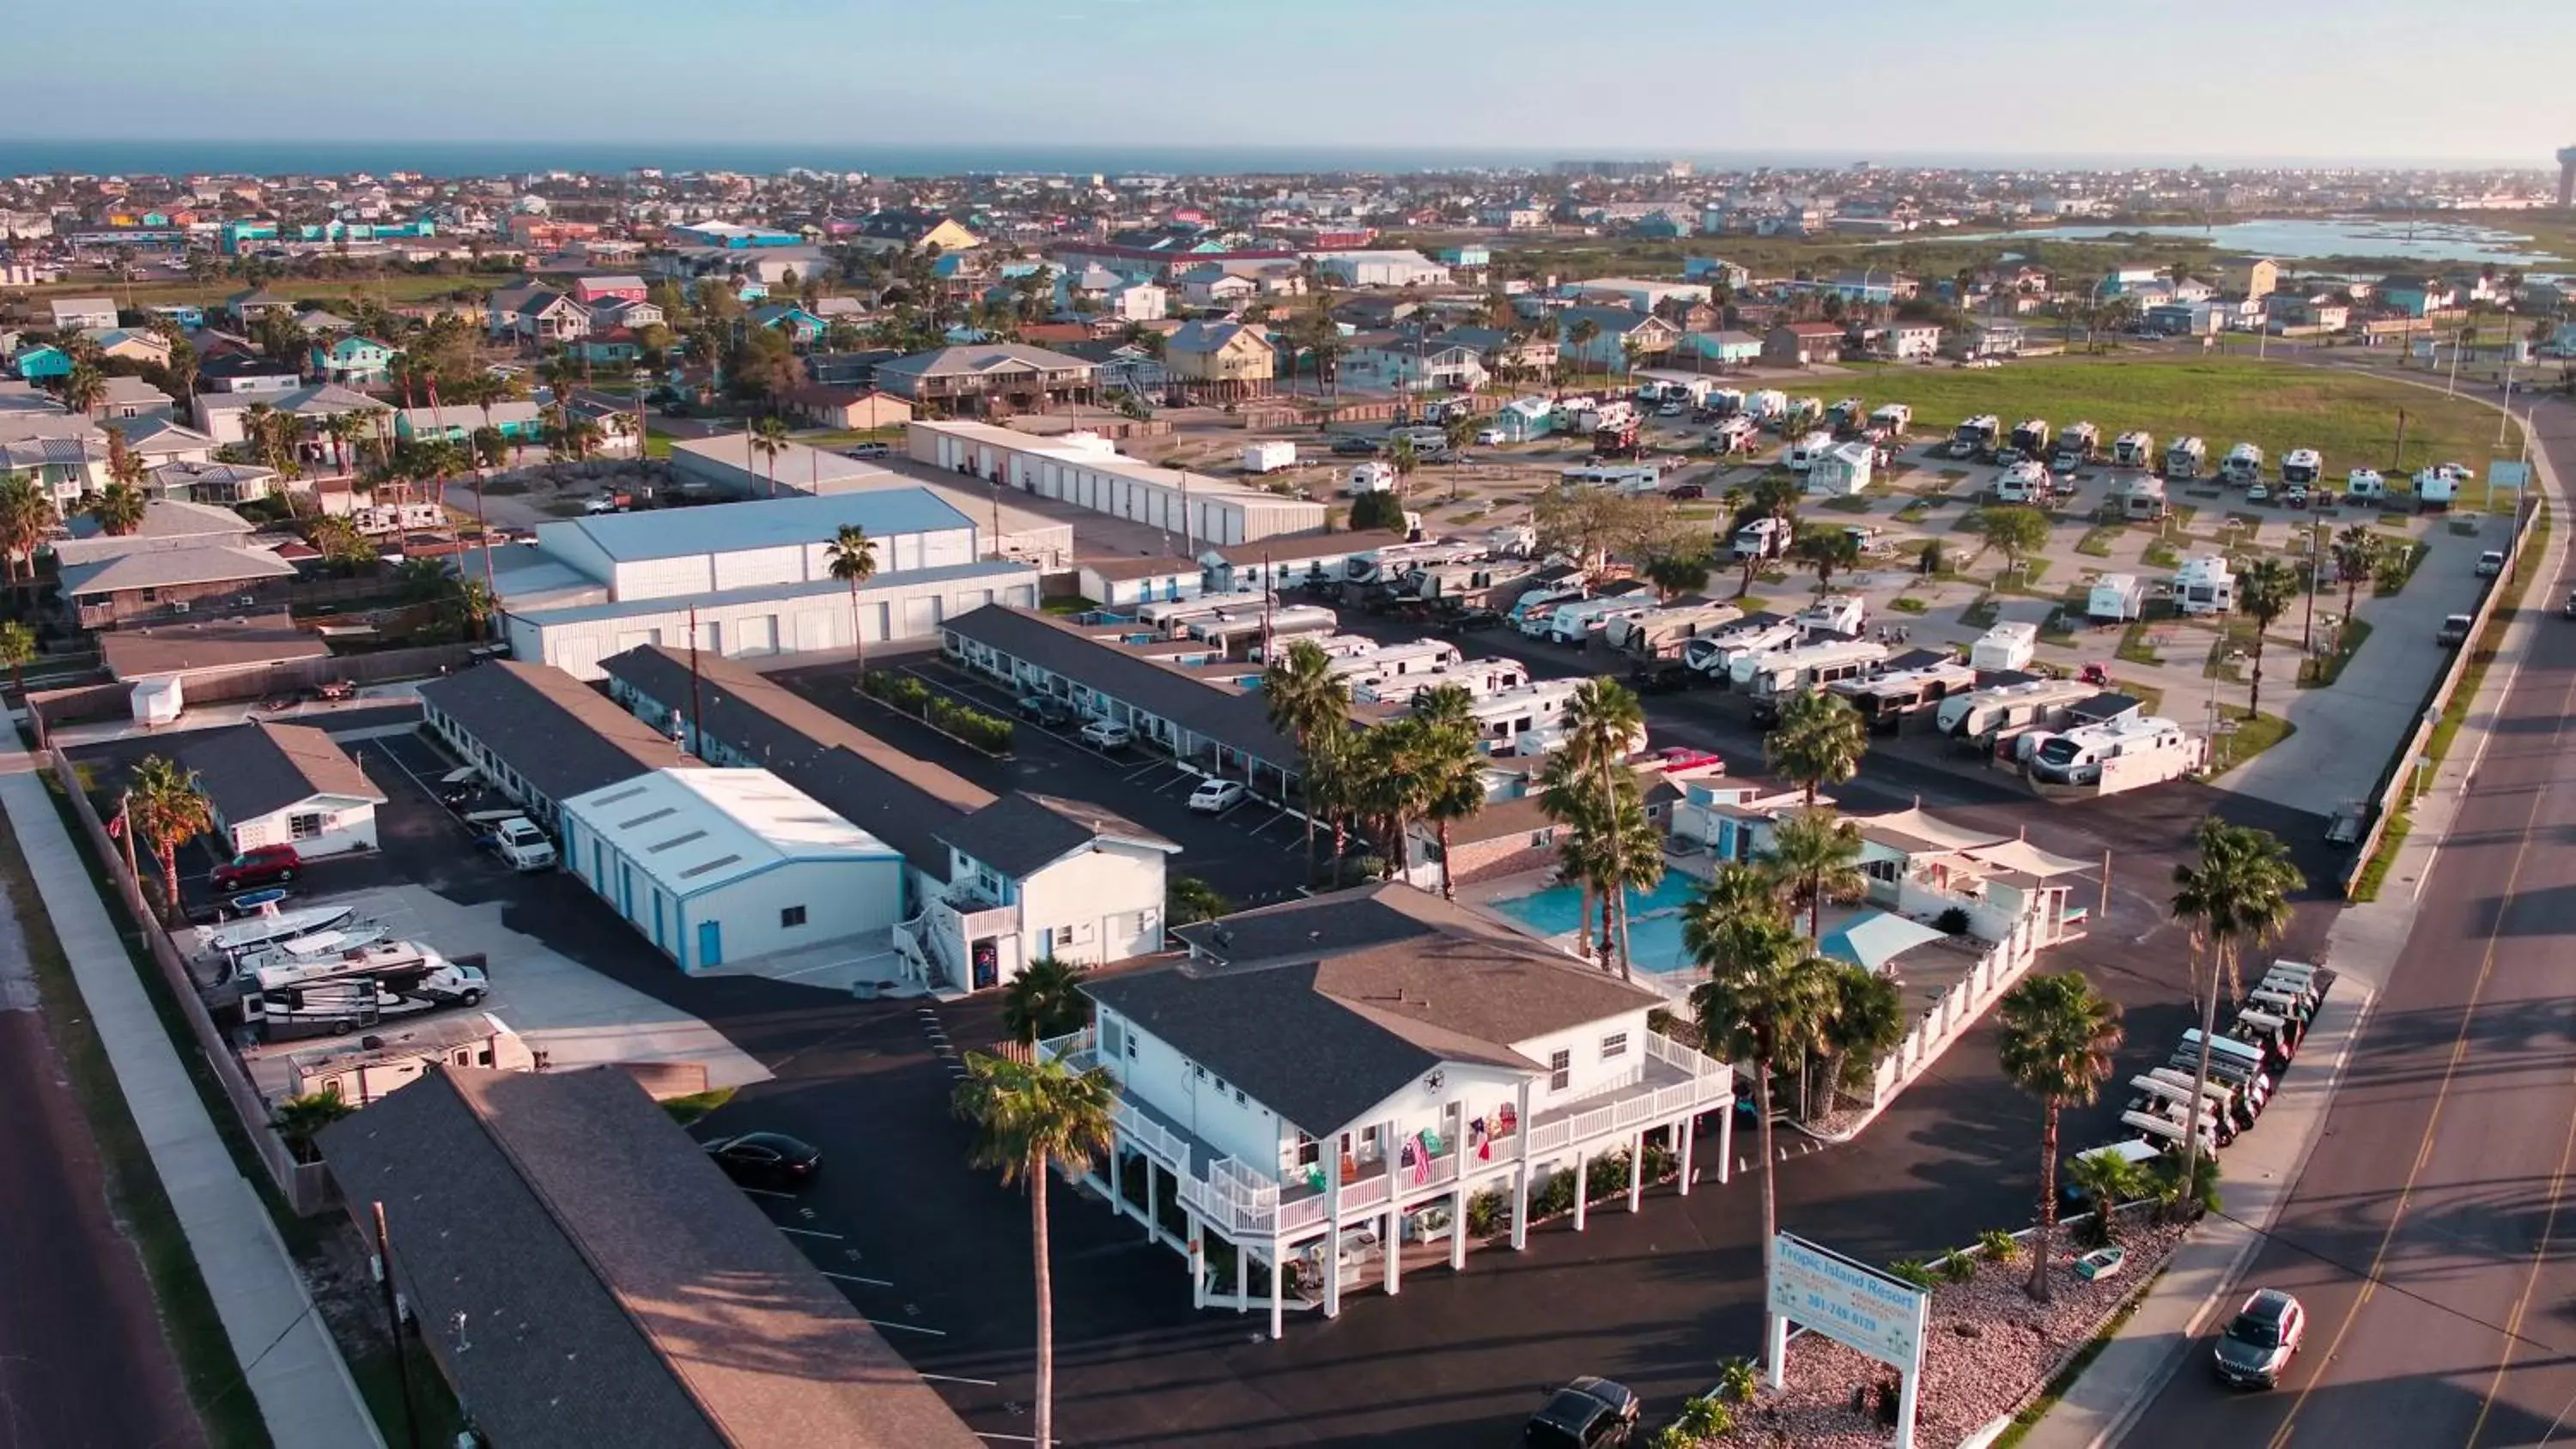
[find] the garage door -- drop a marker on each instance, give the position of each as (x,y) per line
(813,630)
(920,617)
(757,635)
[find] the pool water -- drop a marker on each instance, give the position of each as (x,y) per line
(1654,919)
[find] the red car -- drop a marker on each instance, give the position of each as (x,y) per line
(261,865)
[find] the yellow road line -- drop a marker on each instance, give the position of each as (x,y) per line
(2522,1301)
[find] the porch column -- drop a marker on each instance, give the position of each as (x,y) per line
(1242,1277)
(1726,1143)
(1153,1195)
(1520,1207)
(1686,1133)
(1198,1261)
(1332,1254)
(1458,1224)
(1636,1168)
(1394,1250)
(1278,1286)
(1582,1198)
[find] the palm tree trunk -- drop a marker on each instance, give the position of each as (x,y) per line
(1816,908)
(2039,1285)
(2200,1071)
(1448,883)
(856,642)
(1770,1206)
(2254,698)
(1046,1303)
(169,853)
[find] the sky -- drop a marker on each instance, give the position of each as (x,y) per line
(1859,79)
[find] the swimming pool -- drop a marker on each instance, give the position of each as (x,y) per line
(1654,919)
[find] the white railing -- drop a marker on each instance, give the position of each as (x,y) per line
(1675,1055)
(1078,1051)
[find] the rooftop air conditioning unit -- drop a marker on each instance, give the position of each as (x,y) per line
(178,606)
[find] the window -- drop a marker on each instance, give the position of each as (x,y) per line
(1883,871)
(1614,1045)
(303,827)
(791,917)
(1560,1069)
(1309,1151)
(1238,1096)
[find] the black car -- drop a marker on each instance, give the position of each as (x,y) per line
(1664,676)
(2258,1343)
(1471,621)
(1357,447)
(766,1159)
(1046,709)
(1589,1413)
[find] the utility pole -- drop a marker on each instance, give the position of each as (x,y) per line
(393,1326)
(2397,459)
(697,692)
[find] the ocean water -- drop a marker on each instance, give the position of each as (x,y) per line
(2316,238)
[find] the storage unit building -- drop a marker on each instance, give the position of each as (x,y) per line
(1089,472)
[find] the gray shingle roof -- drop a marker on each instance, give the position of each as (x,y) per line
(593,1279)
(262,767)
(562,736)
(132,654)
(1332,1005)
(1019,834)
(168,568)
(1216,711)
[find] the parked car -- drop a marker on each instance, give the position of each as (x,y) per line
(766,1159)
(521,845)
(601,504)
(2258,492)
(2256,1347)
(1046,709)
(1107,734)
(1471,621)
(2490,564)
(2295,495)
(258,866)
(2455,630)
(1215,797)
(871,450)
(1664,676)
(1356,447)
(1589,1413)
(1489,437)
(1686,490)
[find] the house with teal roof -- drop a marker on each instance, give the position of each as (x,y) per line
(803,328)
(352,360)
(39,361)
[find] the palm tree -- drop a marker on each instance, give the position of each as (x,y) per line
(342,431)
(1305,699)
(2236,894)
(1390,787)
(1864,1017)
(2264,592)
(1452,770)
(1816,853)
(118,509)
(300,1119)
(124,465)
(469,607)
(1568,794)
(1619,852)
(17,650)
(84,388)
(1579,334)
(769,439)
(2358,548)
(1405,459)
(1030,1119)
(1045,1000)
(2107,1179)
(26,515)
(170,811)
(1818,741)
(853,559)
(1762,991)
(1603,723)
(2058,1036)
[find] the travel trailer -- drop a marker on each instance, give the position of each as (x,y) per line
(1269,456)
(2134,450)
(1659,633)
(1975,438)
(2437,487)
(2006,707)
(1245,630)
(2141,496)
(1762,538)
(1715,653)
(2009,645)
(1803,452)
(2243,464)
(1886,701)
(1895,417)
(1835,614)
(1393,661)
(2121,754)
(1771,676)
(2204,585)
(2185,459)
(1726,402)
(1481,678)
(1574,623)
(1537,603)
(2080,444)
(1503,717)
(1625,478)
(2116,599)
(2364,485)
(2303,466)
(2024,482)
(2029,440)
(1767,405)
(1371,477)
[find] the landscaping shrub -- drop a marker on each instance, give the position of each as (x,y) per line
(1605,1176)
(1957,1266)
(1554,1194)
(1704,1416)
(1912,1271)
(1999,1246)
(1485,1212)
(1738,1379)
(1952,922)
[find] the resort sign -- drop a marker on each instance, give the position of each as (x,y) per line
(1856,1306)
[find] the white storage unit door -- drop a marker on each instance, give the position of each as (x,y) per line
(920,616)
(813,630)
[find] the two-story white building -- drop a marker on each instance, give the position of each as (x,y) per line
(1330,1080)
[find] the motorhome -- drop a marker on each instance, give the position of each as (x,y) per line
(2006,707)
(1835,614)
(1481,678)
(2029,440)
(1171,618)
(2204,585)
(1975,438)
(2023,483)
(1238,633)
(1714,653)
(1761,538)
(2436,487)
(2080,444)
(2185,459)
(1887,701)
(2243,464)
(1393,661)
(2302,466)
(1537,602)
(2117,755)
(1659,633)
(2116,599)
(1783,672)
(1575,623)
(1726,402)
(2134,450)
(2141,496)
(1802,452)
(1735,435)
(1895,417)
(335,1008)
(1506,715)
(2006,646)
(1767,405)
(1628,478)
(2364,485)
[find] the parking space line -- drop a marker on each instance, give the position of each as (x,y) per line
(954,1379)
(906,1327)
(767,1192)
(854,1278)
(1014,1438)
(810,1233)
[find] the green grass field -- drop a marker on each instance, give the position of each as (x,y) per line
(2349,417)
(393,289)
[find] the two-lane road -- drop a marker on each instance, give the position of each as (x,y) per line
(2427,1234)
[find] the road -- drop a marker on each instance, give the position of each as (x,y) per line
(2425,1234)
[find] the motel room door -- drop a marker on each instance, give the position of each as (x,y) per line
(710,944)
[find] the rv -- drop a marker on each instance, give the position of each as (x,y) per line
(1895,417)
(2029,440)
(2243,464)
(2134,450)
(1802,453)
(1233,630)
(1537,602)
(1371,477)
(1726,402)
(1506,715)
(1269,456)
(2303,466)
(2006,646)
(1471,583)
(1781,672)
(1171,618)
(235,939)
(1628,478)
(1887,701)
(1840,614)
(1761,538)
(1846,414)
(1512,540)
(2080,444)
(337,1007)
(2119,754)
(1735,435)
(1975,438)
(1802,412)
(2141,496)
(1714,653)
(2204,585)
(2007,707)
(2023,483)
(1481,678)
(2437,487)
(2116,599)
(2184,460)
(1659,633)
(392,962)
(1767,405)
(1377,566)
(1575,623)
(2364,485)
(1393,661)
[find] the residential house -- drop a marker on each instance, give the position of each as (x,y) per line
(1621,334)
(1136,302)
(534,313)
(1524,419)
(319,323)
(122,397)
(1721,348)
(352,360)
(622,287)
(1802,344)
(1215,287)
(149,349)
(2416,296)
(1219,360)
(160,581)
(220,415)
(40,362)
(618,314)
(247,307)
(81,314)
(1986,337)
(1505,354)
(1716,270)
(847,408)
(1381,268)
(67,468)
(517,420)
(803,328)
(1329,1079)
(216,483)
(2293,312)
(1124,582)
(1124,366)
(902,230)
(282,784)
(206,649)
(989,377)
(1909,340)
(1413,364)
(247,372)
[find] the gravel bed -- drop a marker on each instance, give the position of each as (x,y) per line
(1989,1347)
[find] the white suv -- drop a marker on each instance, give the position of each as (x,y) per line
(523,845)
(1107,734)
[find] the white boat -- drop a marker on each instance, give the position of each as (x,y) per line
(275,925)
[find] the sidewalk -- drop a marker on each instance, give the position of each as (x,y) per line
(286,1354)
(2261,1169)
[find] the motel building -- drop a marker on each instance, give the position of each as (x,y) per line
(1332,1082)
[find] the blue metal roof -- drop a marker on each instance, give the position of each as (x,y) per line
(767,523)
(1003,573)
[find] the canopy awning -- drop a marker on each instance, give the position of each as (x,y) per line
(1875,938)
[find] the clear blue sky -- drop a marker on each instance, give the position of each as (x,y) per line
(1862,78)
